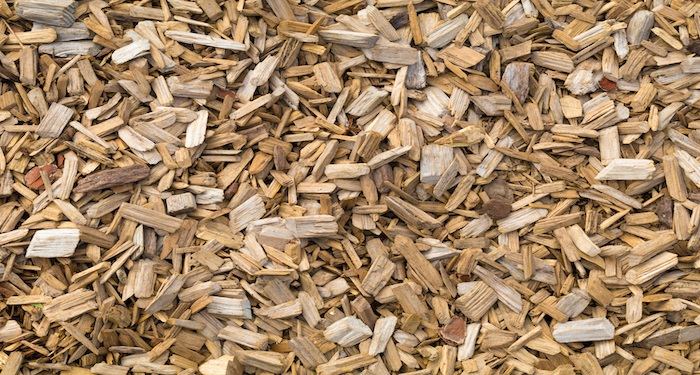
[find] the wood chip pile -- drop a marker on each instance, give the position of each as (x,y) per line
(226,187)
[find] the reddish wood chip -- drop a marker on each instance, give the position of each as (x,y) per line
(465,278)
(499,189)
(497,208)
(607,84)
(33,177)
(59,160)
(454,332)
(221,94)
(112,177)
(231,190)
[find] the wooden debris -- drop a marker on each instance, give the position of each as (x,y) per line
(348,364)
(55,120)
(672,359)
(150,218)
(112,177)
(516,77)
(455,332)
(13,363)
(383,330)
(204,40)
(627,169)
(52,12)
(595,329)
(181,203)
(348,331)
(53,243)
(435,160)
(349,187)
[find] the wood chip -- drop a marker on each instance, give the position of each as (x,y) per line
(349,187)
